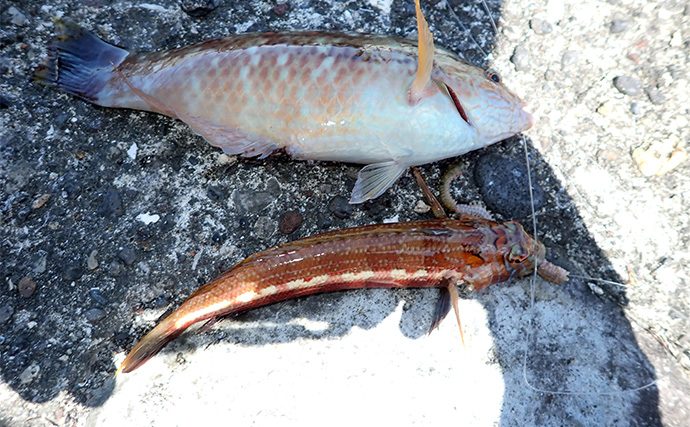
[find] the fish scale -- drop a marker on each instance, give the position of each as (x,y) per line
(384,102)
(428,253)
(318,96)
(328,106)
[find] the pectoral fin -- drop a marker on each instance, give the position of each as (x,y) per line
(436,207)
(374,179)
(209,324)
(425,57)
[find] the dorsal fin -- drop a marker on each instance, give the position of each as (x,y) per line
(425,58)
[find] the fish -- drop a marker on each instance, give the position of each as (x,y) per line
(381,101)
(427,253)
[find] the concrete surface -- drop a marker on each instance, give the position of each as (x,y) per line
(584,354)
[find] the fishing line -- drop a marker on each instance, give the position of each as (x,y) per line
(594,279)
(493,24)
(534,229)
(465,29)
(533,283)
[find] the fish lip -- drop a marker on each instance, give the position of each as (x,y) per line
(527,116)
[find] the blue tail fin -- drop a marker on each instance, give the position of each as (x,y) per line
(78,62)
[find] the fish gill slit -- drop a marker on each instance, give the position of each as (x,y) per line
(458,105)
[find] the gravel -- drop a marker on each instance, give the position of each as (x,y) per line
(27,287)
(539,26)
(628,85)
(340,207)
(569,58)
(92,260)
(111,204)
(98,296)
(500,180)
(359,357)
(521,58)
(619,25)
(93,315)
(290,222)
(128,255)
(656,97)
(6,312)
(198,8)
(216,193)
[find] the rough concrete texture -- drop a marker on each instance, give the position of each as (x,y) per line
(84,276)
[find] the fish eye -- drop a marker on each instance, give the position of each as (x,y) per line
(493,76)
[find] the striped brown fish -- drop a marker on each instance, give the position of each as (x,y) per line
(384,102)
(432,253)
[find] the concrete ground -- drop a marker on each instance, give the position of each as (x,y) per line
(85,276)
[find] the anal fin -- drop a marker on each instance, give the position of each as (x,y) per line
(231,140)
(449,296)
(454,297)
(154,103)
(442,308)
(373,180)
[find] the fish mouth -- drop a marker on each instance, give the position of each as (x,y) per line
(527,116)
(458,105)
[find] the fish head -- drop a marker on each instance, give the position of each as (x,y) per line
(523,253)
(519,250)
(484,102)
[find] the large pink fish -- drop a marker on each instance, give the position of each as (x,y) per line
(380,101)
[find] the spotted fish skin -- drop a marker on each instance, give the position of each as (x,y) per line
(316,95)
(413,254)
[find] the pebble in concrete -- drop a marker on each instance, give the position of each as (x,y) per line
(628,85)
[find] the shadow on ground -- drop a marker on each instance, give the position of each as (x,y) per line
(96,268)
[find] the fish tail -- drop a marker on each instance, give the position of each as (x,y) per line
(79,63)
(152,343)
